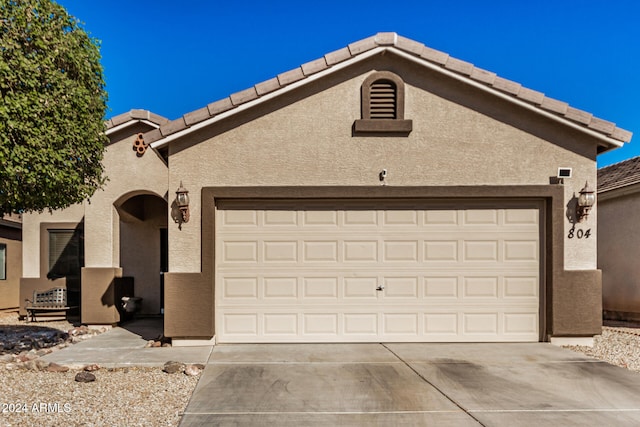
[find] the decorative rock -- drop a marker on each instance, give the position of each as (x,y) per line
(166,344)
(192,370)
(173,367)
(29,365)
(156,344)
(54,367)
(92,368)
(6,358)
(43,352)
(85,377)
(41,364)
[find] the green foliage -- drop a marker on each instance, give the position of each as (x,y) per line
(52,106)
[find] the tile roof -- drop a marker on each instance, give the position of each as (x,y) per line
(537,99)
(135,115)
(619,175)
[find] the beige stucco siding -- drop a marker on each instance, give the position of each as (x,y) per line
(128,175)
(31,234)
(618,253)
(10,285)
(460,136)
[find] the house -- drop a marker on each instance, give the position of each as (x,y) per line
(383,192)
(10,260)
(618,191)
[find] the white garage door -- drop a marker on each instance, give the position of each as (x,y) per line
(376,272)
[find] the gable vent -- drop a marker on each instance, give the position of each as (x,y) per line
(383,100)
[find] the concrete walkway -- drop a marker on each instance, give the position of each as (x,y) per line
(411,384)
(125,347)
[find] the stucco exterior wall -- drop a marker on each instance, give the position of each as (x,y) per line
(31,232)
(461,136)
(618,253)
(10,286)
(128,175)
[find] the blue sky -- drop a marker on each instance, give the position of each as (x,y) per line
(175,57)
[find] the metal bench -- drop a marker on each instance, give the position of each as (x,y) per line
(50,301)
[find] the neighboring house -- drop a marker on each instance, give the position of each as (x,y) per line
(618,239)
(10,261)
(383,192)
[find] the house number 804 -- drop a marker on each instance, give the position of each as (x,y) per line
(580,234)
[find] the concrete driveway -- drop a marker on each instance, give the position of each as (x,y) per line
(411,384)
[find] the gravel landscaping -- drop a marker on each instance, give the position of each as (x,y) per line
(618,346)
(34,393)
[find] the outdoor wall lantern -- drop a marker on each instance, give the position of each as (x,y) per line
(182,200)
(586,200)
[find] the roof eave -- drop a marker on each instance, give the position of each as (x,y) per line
(624,190)
(265,98)
(509,94)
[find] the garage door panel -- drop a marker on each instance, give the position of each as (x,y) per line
(359,218)
(515,217)
(280,251)
(441,250)
(276,288)
(480,287)
(320,324)
(240,324)
(521,287)
(360,251)
(440,287)
(240,252)
(320,251)
(480,323)
(351,273)
(441,217)
(400,251)
(400,324)
(358,325)
(400,217)
(401,287)
(521,250)
(480,216)
(240,288)
(480,250)
(520,323)
(320,218)
(320,288)
(360,288)
(280,324)
(280,217)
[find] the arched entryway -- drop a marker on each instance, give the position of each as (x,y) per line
(143,246)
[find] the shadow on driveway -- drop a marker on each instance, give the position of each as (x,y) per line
(533,384)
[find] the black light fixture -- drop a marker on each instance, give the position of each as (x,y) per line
(182,200)
(586,200)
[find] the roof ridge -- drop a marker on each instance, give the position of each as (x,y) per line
(392,40)
(135,114)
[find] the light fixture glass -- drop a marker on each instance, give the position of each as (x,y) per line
(182,200)
(586,200)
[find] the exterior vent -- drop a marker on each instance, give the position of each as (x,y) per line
(382,105)
(383,100)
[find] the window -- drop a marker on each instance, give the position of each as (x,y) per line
(64,253)
(3,261)
(383,105)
